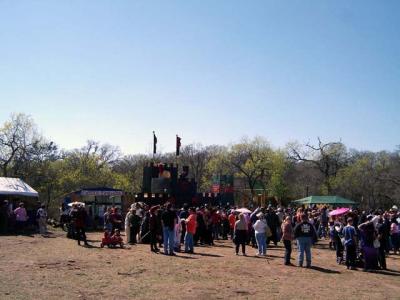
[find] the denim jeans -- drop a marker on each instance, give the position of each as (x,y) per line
(351,255)
(261,243)
(188,242)
(215,231)
(108,227)
(321,231)
(304,245)
(169,237)
(81,235)
(288,250)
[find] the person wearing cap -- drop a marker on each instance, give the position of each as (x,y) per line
(350,244)
(305,234)
(41,217)
(260,227)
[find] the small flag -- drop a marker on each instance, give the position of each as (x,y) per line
(154,143)
(178,145)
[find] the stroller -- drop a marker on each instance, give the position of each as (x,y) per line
(111,241)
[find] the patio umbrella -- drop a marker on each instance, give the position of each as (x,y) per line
(243,210)
(76,203)
(339,211)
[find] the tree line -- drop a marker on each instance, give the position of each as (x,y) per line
(292,172)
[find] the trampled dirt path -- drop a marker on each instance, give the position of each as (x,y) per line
(56,268)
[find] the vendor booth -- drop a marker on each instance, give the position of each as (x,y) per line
(15,190)
(96,201)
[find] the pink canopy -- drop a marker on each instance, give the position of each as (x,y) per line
(339,211)
(243,210)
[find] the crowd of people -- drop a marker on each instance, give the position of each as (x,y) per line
(360,238)
(21,220)
(367,237)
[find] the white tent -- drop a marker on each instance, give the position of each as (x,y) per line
(16,187)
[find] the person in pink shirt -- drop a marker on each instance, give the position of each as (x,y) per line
(21,217)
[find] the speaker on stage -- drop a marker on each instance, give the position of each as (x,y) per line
(147,174)
(160,185)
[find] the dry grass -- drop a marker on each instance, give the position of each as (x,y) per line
(56,268)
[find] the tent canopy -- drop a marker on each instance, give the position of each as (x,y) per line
(16,187)
(330,200)
(99,191)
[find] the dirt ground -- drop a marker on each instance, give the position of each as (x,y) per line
(56,268)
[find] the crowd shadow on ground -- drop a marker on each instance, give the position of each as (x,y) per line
(94,241)
(223,245)
(324,270)
(387,272)
(207,254)
(91,246)
(27,234)
(322,246)
(181,256)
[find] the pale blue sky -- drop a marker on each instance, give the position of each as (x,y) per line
(211,71)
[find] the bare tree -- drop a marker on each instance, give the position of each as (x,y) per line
(196,157)
(328,158)
(106,153)
(20,144)
(251,160)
